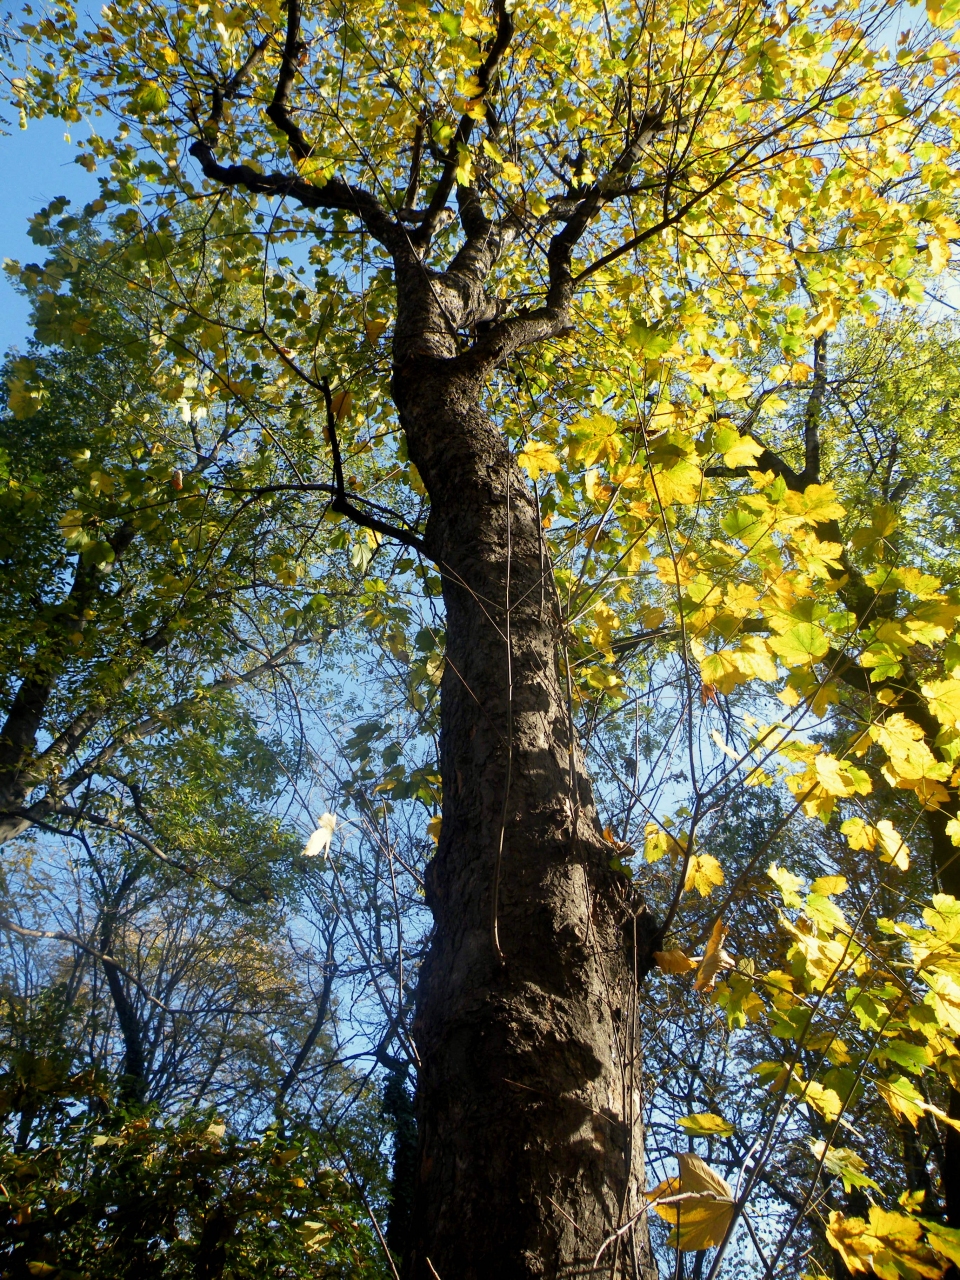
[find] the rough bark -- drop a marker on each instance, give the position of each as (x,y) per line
(529,1090)
(528,1099)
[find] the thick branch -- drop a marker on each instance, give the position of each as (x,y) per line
(485,78)
(811,418)
(323,1007)
(334,194)
(342,504)
(278,113)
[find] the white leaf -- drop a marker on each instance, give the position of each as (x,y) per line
(319,842)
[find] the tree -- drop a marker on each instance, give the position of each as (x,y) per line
(609,236)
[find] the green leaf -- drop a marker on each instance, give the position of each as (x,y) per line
(704,1124)
(803,644)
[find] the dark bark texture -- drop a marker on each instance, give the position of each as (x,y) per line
(529,1102)
(530,1159)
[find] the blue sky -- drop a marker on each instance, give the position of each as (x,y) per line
(39,166)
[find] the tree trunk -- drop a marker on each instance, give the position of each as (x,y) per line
(529,1090)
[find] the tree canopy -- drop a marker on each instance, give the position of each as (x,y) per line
(480,542)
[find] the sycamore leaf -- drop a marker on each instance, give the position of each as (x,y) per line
(674,961)
(942,13)
(893,848)
(536,457)
(787,883)
(914,1057)
(23,401)
(703,1124)
(704,873)
(700,1210)
(743,453)
(943,698)
(658,842)
(802,644)
(826,1102)
(905,1100)
(817,504)
(945,1240)
(828,885)
(319,842)
(888,1246)
(314,1234)
(844,1164)
(701,1222)
(860,835)
(340,404)
(712,959)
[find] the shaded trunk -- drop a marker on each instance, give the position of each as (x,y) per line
(946,871)
(398,1106)
(133,1069)
(528,1099)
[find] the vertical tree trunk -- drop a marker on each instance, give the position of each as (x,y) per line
(529,1092)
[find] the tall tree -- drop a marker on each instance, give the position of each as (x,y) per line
(623,212)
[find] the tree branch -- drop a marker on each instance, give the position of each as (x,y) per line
(485,78)
(342,504)
(58,935)
(334,194)
(277,111)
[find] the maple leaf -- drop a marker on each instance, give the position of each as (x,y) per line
(699,1204)
(674,961)
(704,874)
(536,457)
(704,1124)
(943,698)
(801,645)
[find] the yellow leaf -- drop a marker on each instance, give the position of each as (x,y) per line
(23,401)
(536,457)
(817,503)
(340,404)
(803,644)
(704,1124)
(943,698)
(892,845)
(904,1100)
(888,1246)
(824,1101)
(704,873)
(658,842)
(938,253)
(373,329)
(828,885)
(712,959)
(433,828)
(701,1209)
(860,835)
(674,961)
(834,777)
(742,454)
